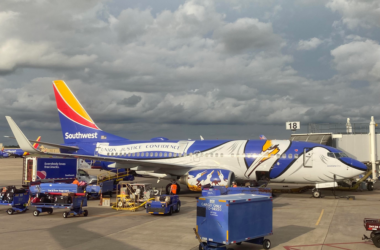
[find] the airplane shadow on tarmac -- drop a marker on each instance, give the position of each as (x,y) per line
(74,235)
(284,234)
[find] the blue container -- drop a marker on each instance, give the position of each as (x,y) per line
(234,218)
(214,191)
(56,188)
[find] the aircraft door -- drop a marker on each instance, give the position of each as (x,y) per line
(196,155)
(308,157)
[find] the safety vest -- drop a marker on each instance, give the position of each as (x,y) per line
(235,186)
(174,188)
(76,182)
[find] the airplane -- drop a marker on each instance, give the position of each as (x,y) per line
(17,152)
(262,137)
(190,162)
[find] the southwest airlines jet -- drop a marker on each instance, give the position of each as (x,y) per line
(17,152)
(195,163)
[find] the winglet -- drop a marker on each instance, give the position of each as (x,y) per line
(22,141)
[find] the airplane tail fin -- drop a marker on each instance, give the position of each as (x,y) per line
(76,124)
(262,137)
(35,145)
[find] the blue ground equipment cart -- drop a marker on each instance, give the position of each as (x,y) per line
(164,204)
(218,190)
(105,187)
(18,202)
(75,202)
(233,219)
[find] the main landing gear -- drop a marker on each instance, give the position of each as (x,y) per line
(316,193)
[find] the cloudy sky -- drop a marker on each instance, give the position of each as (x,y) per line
(222,69)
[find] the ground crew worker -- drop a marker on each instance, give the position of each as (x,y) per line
(76,181)
(234,184)
(173,188)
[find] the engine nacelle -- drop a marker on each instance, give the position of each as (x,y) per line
(196,179)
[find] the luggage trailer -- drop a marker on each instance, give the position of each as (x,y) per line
(232,219)
(18,204)
(79,200)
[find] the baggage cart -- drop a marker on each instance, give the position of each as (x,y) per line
(18,204)
(232,219)
(78,202)
(372,225)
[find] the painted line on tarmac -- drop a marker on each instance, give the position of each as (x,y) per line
(333,245)
(320,217)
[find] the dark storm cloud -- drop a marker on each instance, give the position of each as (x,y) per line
(226,65)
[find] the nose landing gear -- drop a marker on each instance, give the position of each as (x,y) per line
(316,193)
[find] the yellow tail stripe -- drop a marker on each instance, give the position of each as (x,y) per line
(71,100)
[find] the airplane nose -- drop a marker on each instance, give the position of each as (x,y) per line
(354,163)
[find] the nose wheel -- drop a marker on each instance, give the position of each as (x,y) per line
(316,193)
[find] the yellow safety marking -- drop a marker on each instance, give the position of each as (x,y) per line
(227,235)
(69,97)
(160,213)
(320,217)
(203,199)
(222,201)
(151,212)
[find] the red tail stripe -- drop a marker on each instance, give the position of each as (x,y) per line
(70,113)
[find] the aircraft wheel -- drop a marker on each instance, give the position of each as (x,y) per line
(85,213)
(370,186)
(317,194)
(178,208)
(120,203)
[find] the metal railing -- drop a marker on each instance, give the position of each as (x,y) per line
(340,128)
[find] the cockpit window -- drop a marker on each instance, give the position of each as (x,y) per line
(337,155)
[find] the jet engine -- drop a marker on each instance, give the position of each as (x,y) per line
(196,179)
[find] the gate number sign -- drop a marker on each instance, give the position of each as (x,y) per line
(292,125)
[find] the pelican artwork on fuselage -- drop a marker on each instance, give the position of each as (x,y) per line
(195,163)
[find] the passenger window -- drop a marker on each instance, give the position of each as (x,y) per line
(138,154)
(151,154)
(133,154)
(295,156)
(284,156)
(155,154)
(170,154)
(278,156)
(165,154)
(108,153)
(206,155)
(211,155)
(160,154)
(129,154)
(290,156)
(191,154)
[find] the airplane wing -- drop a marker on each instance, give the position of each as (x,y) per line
(24,144)
(72,148)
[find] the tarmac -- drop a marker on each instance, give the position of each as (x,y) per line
(300,222)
